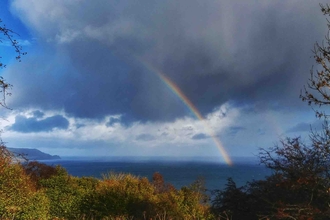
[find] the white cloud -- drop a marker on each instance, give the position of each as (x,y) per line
(259,129)
(179,132)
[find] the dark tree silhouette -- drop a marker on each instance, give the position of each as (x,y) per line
(299,187)
(317,91)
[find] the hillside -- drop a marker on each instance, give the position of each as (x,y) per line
(33,154)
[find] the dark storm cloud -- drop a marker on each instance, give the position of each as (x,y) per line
(27,125)
(215,51)
(124,120)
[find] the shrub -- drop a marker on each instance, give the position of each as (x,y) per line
(38,171)
(66,193)
(120,195)
(19,198)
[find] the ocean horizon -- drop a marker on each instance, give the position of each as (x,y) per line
(177,171)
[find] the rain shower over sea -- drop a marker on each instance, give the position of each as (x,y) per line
(179,172)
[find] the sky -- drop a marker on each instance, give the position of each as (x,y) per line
(172,78)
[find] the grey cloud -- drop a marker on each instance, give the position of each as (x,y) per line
(164,134)
(235,129)
(300,127)
(38,114)
(27,125)
(112,121)
(124,120)
(214,51)
(199,136)
(306,127)
(80,126)
(145,137)
(261,131)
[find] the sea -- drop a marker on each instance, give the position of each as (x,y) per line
(177,171)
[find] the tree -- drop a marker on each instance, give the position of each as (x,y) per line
(38,171)
(9,36)
(159,183)
(317,91)
(299,187)
(301,174)
(304,169)
(232,201)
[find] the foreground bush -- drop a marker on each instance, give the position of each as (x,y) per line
(66,193)
(19,197)
(129,196)
(120,195)
(37,191)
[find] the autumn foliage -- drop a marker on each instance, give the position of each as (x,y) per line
(19,197)
(37,191)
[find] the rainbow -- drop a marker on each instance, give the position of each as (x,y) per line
(177,91)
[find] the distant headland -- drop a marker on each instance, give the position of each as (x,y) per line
(33,154)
